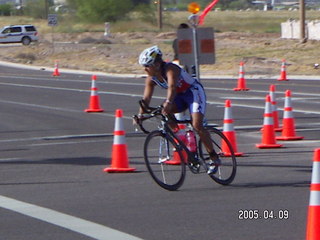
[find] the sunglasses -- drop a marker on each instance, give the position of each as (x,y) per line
(147,65)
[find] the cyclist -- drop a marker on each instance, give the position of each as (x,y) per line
(183,92)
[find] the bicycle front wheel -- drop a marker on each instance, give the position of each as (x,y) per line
(164,160)
(227,169)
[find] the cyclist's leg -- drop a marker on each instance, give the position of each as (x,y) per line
(197,124)
(197,106)
(225,172)
(172,122)
(178,106)
(205,138)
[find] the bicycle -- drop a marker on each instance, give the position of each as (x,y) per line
(166,155)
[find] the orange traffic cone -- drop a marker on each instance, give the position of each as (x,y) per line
(268,134)
(94,105)
(181,134)
(274,108)
(228,131)
(313,220)
(288,130)
(241,80)
(119,162)
(283,74)
(56,69)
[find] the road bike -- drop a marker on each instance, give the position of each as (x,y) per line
(166,154)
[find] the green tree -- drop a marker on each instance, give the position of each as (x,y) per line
(101,10)
(240,4)
(223,4)
(146,13)
(37,8)
(136,2)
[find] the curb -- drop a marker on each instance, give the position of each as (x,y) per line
(205,76)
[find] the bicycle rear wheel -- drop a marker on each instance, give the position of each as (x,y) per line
(227,170)
(163,160)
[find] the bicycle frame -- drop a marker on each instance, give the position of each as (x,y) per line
(173,151)
(166,129)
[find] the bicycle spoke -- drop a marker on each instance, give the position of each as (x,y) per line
(160,153)
(227,169)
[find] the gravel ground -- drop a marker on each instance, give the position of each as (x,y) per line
(261,53)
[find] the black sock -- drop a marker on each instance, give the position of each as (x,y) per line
(213,154)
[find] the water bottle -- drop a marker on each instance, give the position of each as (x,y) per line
(181,134)
(191,141)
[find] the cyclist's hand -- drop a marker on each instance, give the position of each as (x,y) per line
(167,108)
(136,119)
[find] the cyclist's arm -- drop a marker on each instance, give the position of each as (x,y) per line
(172,77)
(148,91)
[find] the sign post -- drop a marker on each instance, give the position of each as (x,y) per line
(52,21)
(107,29)
(194,19)
(196,45)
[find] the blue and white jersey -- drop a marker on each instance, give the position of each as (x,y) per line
(184,81)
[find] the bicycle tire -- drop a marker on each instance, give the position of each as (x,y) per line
(160,154)
(227,170)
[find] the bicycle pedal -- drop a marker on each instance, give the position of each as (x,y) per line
(195,168)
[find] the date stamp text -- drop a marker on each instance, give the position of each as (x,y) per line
(256,214)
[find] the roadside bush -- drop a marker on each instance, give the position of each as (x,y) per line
(30,57)
(101,10)
(95,41)
(146,13)
(5,9)
(36,9)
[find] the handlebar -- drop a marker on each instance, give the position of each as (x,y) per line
(149,112)
(147,109)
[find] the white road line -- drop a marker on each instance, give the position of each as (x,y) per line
(299,142)
(44,87)
(72,81)
(136,95)
(91,229)
(131,95)
(68,143)
(39,106)
(20,139)
(9,159)
(77,136)
(279,94)
(263,107)
(103,137)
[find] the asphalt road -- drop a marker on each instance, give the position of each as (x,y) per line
(52,184)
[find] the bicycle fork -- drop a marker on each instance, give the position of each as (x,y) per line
(163,156)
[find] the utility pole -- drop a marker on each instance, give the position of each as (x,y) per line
(303,37)
(160,14)
(20,6)
(46,10)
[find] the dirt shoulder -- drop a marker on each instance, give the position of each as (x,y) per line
(261,53)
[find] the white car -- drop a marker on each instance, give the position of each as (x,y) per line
(19,33)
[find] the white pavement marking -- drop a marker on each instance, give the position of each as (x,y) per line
(9,159)
(69,143)
(135,84)
(71,80)
(91,229)
(139,95)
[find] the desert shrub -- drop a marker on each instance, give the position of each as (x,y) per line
(5,9)
(101,10)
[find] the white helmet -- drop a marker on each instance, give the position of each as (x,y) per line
(148,56)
